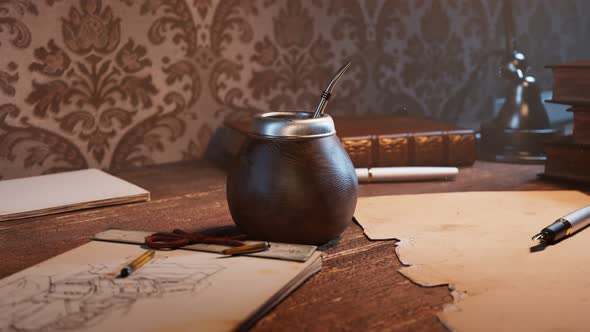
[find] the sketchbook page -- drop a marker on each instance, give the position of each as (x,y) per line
(177,291)
(61,192)
(479,243)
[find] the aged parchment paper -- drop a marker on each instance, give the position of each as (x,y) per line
(479,243)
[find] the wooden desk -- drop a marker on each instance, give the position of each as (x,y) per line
(358,287)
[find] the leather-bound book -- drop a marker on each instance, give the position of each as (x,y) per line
(571,83)
(568,157)
(395,141)
(568,160)
(405,141)
(581,132)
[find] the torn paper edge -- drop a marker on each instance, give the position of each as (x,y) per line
(456,294)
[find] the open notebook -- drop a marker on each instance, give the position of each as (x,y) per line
(178,290)
(62,192)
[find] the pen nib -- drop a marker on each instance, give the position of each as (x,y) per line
(538,237)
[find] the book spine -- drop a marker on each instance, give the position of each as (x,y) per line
(454,148)
(462,148)
(360,150)
(581,132)
(393,150)
(568,161)
(571,86)
(429,149)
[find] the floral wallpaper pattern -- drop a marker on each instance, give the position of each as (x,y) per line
(121,83)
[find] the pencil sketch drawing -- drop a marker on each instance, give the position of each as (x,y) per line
(82,299)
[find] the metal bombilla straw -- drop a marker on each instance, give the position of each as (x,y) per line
(319,111)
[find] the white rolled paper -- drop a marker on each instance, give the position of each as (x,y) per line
(399,174)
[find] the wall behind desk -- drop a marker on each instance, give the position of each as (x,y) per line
(122,83)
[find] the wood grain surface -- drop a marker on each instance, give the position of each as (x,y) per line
(358,287)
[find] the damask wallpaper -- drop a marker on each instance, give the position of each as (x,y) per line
(121,83)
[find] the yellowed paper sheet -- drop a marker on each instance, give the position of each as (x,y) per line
(479,243)
(62,192)
(177,291)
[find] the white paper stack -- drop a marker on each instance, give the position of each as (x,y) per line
(63,192)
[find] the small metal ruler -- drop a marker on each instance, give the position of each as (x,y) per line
(283,251)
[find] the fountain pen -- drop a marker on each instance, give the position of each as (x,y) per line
(565,226)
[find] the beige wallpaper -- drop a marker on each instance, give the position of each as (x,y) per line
(120,83)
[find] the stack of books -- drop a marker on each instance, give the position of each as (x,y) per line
(569,157)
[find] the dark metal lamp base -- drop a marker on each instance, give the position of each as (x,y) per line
(521,146)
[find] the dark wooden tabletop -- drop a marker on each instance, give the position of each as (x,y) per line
(358,288)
